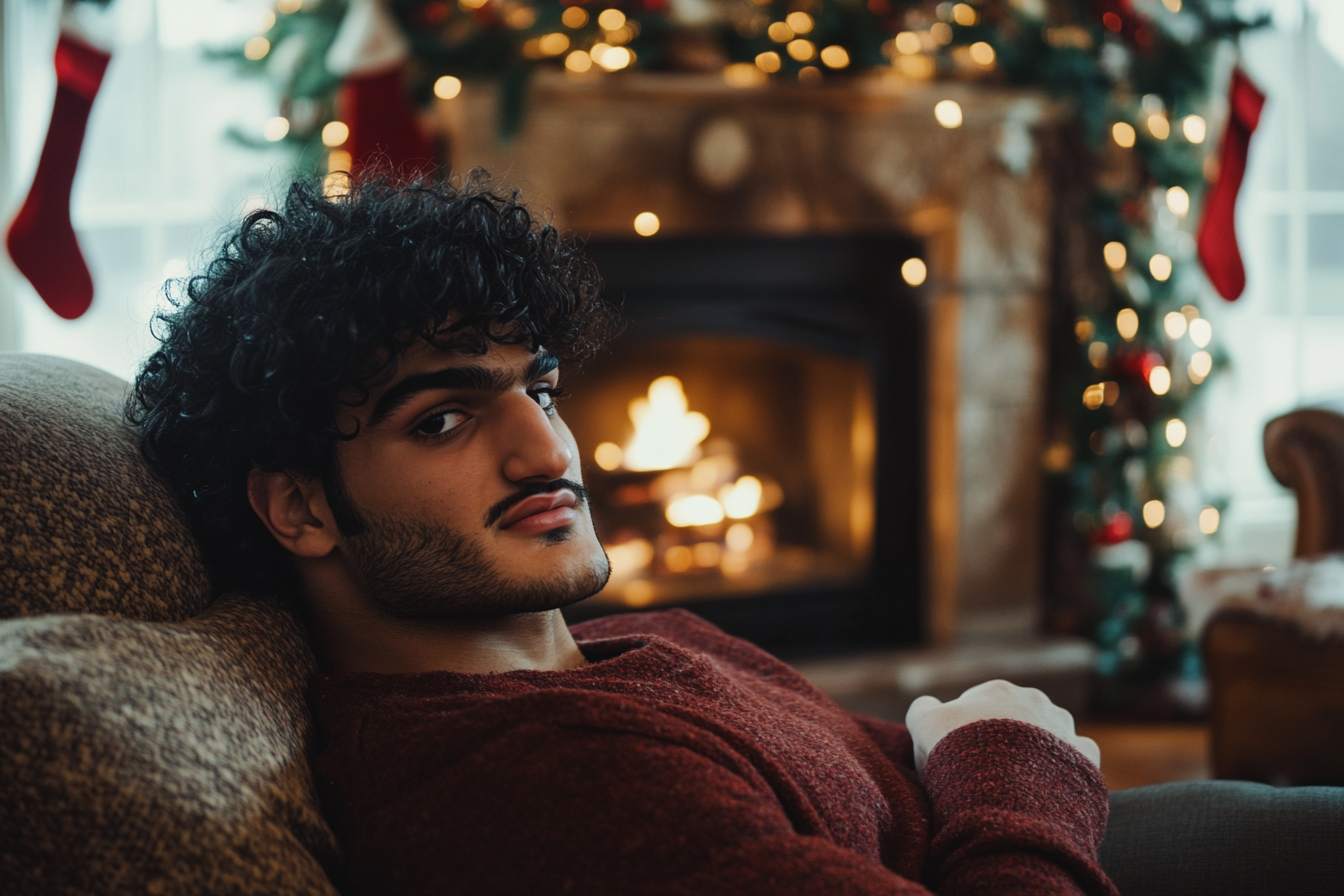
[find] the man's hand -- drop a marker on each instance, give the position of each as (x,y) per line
(930,720)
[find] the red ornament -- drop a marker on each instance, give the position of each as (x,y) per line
(1115,530)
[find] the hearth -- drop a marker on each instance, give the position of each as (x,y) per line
(753,442)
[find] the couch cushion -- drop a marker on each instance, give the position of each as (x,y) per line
(163,758)
(85,527)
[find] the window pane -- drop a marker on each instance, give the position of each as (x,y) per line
(1325,264)
(1325,117)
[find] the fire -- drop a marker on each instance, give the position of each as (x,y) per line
(667,433)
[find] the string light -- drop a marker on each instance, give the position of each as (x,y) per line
(1195,128)
(1115,254)
(647,224)
(610,19)
(1097,354)
(948,113)
(1158,126)
(1176,432)
(801,50)
(768,62)
(914,271)
(334,133)
(780,32)
(1172,5)
(578,62)
(1174,324)
(835,56)
(1127,324)
(1093,396)
(608,454)
(809,74)
(339,160)
(908,43)
(1159,380)
(1178,201)
(965,15)
(1122,132)
(447,87)
(1208,520)
(275,128)
(574,17)
(941,32)
(1084,329)
(982,54)
(266,21)
(1154,512)
(553,44)
(285,7)
(800,22)
(1160,267)
(611,58)
(256,48)
(1201,332)
(1201,365)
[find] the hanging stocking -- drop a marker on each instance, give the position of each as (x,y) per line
(369,52)
(41,240)
(1217,234)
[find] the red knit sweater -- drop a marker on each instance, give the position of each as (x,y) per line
(684,761)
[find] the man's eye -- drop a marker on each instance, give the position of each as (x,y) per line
(440,423)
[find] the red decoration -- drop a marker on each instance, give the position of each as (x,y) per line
(41,240)
(1115,530)
(382,122)
(1217,233)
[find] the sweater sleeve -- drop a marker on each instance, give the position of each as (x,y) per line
(548,807)
(1016,810)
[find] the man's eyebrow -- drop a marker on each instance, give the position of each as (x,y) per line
(470,377)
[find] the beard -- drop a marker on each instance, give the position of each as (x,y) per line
(416,570)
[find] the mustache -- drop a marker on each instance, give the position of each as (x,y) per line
(537,488)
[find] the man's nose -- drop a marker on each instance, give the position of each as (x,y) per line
(534,449)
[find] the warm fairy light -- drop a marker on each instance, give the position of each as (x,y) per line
(678,558)
(1174,324)
(647,224)
(743,74)
(1115,254)
(810,74)
(1160,267)
(275,128)
(1127,324)
(1195,128)
(520,18)
(472,4)
(1172,5)
(447,87)
(1097,354)
(1190,312)
(574,17)
(694,510)
(941,32)
(780,33)
(1176,432)
(629,557)
(339,160)
(739,537)
(914,271)
(768,62)
(908,43)
(965,14)
(1122,132)
(612,58)
(609,456)
(741,499)
(948,113)
(256,48)
(1084,329)
(667,433)
(801,50)
(835,56)
(917,68)
(610,19)
(335,185)
(334,133)
(800,22)
(1201,332)
(266,21)
(286,7)
(1154,512)
(1094,396)
(1159,380)
(578,62)
(1178,201)
(553,44)
(982,54)
(1201,365)
(1208,520)
(1158,126)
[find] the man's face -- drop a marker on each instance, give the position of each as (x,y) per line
(468,485)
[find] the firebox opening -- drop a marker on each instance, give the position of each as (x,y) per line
(725,466)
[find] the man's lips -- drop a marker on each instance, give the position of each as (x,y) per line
(541,512)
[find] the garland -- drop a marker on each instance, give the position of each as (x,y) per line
(1138,75)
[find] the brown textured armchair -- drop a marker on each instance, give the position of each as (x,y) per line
(1276,670)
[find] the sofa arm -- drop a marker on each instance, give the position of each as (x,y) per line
(1305,451)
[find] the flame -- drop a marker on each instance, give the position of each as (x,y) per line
(743,498)
(667,433)
(694,510)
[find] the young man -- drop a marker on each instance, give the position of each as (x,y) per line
(357,403)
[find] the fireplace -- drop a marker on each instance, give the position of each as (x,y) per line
(753,442)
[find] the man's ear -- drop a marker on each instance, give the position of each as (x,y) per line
(295,511)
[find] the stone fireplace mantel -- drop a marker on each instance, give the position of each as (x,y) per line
(864,156)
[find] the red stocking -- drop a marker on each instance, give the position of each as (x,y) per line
(1217,235)
(41,240)
(382,122)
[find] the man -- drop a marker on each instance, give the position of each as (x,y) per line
(358,403)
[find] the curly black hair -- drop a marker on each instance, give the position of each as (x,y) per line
(309,306)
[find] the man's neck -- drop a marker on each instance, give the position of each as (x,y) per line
(354,636)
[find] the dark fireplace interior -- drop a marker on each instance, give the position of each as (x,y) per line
(753,441)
